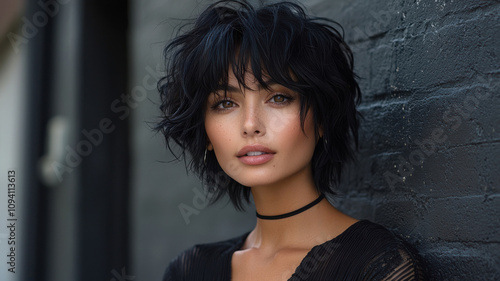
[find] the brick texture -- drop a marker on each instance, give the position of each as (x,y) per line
(430,142)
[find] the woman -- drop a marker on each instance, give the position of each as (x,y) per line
(264,100)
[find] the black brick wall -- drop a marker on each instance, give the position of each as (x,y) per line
(429,164)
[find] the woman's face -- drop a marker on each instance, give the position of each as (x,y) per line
(256,134)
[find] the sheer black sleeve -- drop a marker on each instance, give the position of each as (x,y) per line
(399,264)
(366,251)
(186,266)
(178,267)
(207,262)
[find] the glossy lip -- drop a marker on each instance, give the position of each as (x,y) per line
(254,147)
(255,160)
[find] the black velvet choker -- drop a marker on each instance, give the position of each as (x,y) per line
(292,213)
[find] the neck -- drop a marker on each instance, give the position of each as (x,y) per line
(306,229)
(283,198)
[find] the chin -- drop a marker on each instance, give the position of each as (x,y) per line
(253,183)
(255,180)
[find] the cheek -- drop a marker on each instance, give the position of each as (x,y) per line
(219,134)
(221,137)
(282,122)
(289,128)
(304,140)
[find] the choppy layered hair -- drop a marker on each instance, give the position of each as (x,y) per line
(276,41)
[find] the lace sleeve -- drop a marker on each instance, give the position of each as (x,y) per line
(179,268)
(172,271)
(399,264)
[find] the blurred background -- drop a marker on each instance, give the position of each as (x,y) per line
(95,195)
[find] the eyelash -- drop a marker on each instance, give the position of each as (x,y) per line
(217,103)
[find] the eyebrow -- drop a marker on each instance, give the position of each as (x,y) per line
(231,88)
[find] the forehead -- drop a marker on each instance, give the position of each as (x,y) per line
(246,80)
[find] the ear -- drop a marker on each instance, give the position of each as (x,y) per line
(210,147)
(321,131)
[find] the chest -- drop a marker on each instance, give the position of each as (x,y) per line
(250,265)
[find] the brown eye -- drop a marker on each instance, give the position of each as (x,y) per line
(222,105)
(278,98)
(227,104)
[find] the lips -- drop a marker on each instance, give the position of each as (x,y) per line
(255,154)
(254,150)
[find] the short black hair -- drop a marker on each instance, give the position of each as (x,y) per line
(278,41)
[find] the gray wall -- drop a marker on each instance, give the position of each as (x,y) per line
(428,165)
(430,140)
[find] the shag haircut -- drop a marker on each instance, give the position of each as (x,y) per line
(280,42)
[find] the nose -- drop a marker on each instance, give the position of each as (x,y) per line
(253,121)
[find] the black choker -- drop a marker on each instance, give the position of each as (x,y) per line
(292,213)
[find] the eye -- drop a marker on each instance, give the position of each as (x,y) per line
(226,104)
(280,99)
(223,105)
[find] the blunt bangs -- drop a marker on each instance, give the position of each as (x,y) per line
(277,42)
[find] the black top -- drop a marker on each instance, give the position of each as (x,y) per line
(364,251)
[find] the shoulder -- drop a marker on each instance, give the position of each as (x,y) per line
(382,254)
(203,260)
(365,251)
